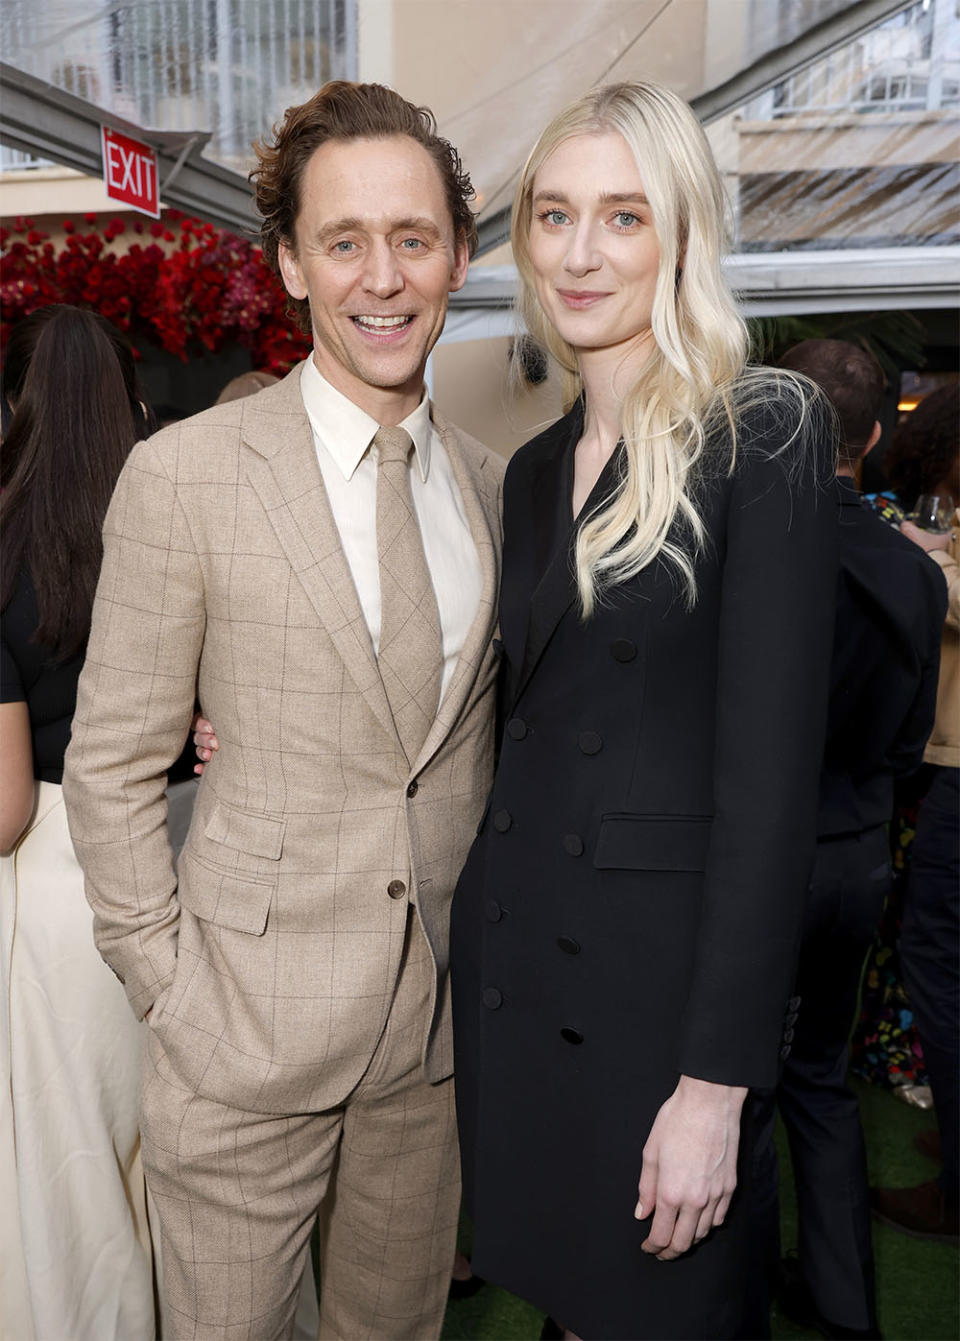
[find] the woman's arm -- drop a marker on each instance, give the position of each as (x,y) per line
(17,790)
(776,627)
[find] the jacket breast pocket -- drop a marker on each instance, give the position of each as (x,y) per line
(229,873)
(653,842)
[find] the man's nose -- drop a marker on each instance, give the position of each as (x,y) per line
(382,273)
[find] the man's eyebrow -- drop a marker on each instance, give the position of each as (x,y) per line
(607,198)
(351,224)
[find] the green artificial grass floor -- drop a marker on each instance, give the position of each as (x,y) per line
(917,1282)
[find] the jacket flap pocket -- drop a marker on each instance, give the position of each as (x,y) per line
(259,835)
(653,843)
(235,901)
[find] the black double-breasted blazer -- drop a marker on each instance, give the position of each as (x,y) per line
(630,909)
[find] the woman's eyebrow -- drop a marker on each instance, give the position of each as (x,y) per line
(605,198)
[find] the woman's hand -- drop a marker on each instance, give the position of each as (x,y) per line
(689,1165)
(928,540)
(205,742)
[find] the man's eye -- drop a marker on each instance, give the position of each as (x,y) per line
(411,243)
(343,246)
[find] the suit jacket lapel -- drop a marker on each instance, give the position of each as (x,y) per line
(282,468)
(552,535)
(479,492)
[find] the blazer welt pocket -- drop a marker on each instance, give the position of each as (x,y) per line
(653,842)
(258,835)
(227,900)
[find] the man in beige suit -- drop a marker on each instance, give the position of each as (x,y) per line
(319,564)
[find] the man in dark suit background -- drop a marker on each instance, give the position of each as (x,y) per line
(891,603)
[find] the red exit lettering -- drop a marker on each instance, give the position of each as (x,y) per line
(130,172)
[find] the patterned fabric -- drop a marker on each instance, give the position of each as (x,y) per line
(236,1194)
(270,955)
(885,1048)
(886,506)
(411,646)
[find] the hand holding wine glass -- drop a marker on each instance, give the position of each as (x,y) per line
(932,512)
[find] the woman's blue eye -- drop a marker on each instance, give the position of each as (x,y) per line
(553,217)
(626,219)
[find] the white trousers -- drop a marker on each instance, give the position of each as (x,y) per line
(75,1258)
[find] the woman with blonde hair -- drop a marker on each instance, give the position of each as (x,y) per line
(624,931)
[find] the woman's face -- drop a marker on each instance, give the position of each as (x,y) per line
(593,246)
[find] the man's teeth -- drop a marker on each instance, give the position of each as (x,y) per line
(382,323)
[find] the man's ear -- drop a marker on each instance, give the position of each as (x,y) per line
(461,263)
(290,271)
(873,439)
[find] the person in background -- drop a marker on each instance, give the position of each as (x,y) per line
(75,1256)
(930,936)
(890,605)
(246,384)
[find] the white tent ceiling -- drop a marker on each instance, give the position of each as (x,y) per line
(509,64)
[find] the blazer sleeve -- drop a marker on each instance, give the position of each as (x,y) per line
(134,706)
(776,628)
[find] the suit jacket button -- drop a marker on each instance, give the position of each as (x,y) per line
(516,728)
(502,821)
(622,649)
(491,998)
(785,1052)
(791,1019)
(788,1035)
(568,945)
(573,843)
(396,889)
(571,1036)
(413,788)
(793,1003)
(590,742)
(492,911)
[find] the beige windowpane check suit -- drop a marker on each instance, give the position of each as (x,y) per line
(281,960)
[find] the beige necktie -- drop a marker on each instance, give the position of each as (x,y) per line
(411,645)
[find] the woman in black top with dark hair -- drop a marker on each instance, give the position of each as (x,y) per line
(77,1252)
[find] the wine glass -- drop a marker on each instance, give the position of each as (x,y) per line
(932,512)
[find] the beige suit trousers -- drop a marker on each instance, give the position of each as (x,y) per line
(238,1193)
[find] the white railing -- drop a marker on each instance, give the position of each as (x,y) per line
(228,66)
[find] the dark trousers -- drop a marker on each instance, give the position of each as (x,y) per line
(929,950)
(851,879)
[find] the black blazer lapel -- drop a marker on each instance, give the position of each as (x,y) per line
(554,534)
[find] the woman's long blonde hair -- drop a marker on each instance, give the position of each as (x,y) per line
(688,384)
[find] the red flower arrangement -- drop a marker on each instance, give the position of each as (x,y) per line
(211,288)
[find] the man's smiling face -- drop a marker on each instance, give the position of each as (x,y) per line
(375,253)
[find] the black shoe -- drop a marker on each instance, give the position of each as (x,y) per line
(794,1301)
(465,1289)
(551,1331)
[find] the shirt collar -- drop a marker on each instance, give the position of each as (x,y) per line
(346,431)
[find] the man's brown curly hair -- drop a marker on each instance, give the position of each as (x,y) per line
(342,110)
(925,445)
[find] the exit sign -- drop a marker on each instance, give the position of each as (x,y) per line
(130,172)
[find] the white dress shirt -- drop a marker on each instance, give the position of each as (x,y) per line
(343,436)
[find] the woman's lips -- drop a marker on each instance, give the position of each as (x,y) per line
(580,298)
